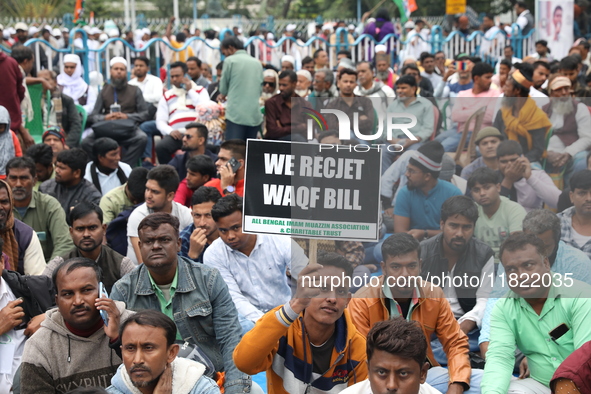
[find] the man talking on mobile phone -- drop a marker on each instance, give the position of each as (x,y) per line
(230,176)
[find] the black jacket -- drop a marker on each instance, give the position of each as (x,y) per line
(36,291)
(71,122)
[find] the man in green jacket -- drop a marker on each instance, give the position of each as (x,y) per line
(241,84)
(40,211)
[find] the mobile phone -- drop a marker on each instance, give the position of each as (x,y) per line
(115,108)
(183,85)
(234,164)
(103,293)
(558,331)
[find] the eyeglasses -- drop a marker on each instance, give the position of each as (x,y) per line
(187,136)
(271,84)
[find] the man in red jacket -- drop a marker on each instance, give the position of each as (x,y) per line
(13,90)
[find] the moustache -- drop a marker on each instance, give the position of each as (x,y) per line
(79,308)
(140,369)
(462,240)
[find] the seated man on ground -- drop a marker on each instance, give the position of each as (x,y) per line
(576,220)
(69,186)
(315,321)
(199,236)
(401,292)
(396,360)
(230,181)
(200,170)
(72,84)
(193,295)
(40,211)
(42,155)
(73,347)
(106,171)
(88,231)
(150,361)
(55,138)
(235,253)
(194,144)
(487,141)
(546,322)
(125,196)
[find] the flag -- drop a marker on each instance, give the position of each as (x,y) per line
(406,7)
(78,10)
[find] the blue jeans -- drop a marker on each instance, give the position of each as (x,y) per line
(450,139)
(439,353)
(151,130)
(241,132)
(438,377)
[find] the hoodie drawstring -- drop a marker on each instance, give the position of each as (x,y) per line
(69,357)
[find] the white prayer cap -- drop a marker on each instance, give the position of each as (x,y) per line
(380,48)
(145,30)
(56,33)
(48,28)
(409,25)
(351,27)
(290,27)
(65,30)
(1,27)
(95,30)
(21,26)
(270,36)
(103,37)
(118,59)
(306,74)
(113,33)
(71,58)
(33,30)
(6,34)
(288,58)
(327,26)
(217,29)
(239,30)
(86,28)
(371,20)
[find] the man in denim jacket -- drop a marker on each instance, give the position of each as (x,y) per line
(194,295)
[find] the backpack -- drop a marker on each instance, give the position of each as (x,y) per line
(117,231)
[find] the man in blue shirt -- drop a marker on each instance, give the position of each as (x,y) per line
(418,204)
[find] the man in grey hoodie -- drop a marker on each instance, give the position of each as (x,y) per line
(150,362)
(74,347)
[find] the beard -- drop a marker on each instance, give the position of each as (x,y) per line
(302,92)
(508,102)
(266,96)
(382,75)
(119,83)
(561,106)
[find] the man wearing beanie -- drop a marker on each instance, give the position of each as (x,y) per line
(418,204)
(55,138)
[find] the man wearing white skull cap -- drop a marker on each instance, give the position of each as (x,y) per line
(72,84)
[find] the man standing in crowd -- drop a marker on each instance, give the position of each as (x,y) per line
(199,236)
(119,109)
(163,181)
(283,112)
(546,322)
(401,292)
(487,141)
(418,205)
(88,231)
(56,359)
(531,188)
(40,211)
(230,180)
(241,84)
(106,171)
(315,321)
(13,90)
(456,252)
(158,368)
(69,186)
(174,285)
(176,110)
(234,253)
(576,220)
(125,196)
(498,217)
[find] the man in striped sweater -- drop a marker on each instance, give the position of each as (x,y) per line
(176,109)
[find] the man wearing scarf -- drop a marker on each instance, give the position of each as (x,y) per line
(21,243)
(72,84)
(9,144)
(520,119)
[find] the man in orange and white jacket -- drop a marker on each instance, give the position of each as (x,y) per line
(309,344)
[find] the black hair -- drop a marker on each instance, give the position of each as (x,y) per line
(20,53)
(519,241)
(541,63)
(327,133)
(203,165)
(508,46)
(398,337)
(194,59)
(181,37)
(155,220)
(426,55)
(459,205)
(585,44)
(72,264)
(335,260)
(205,194)
(317,53)
(508,148)
(489,16)
(293,77)
(20,163)
(521,4)
(542,43)
(556,9)
(166,176)
(74,158)
(347,71)
(220,65)
(580,180)
(143,59)
(201,129)
(383,13)
(226,206)
(84,209)
(569,63)
(179,64)
(507,62)
(407,80)
(483,176)
(236,146)
(152,318)
(481,68)
(41,153)
(136,183)
(410,66)
(307,60)
(102,146)
(232,42)
(400,244)
(346,53)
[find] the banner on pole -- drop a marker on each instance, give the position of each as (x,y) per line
(555,20)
